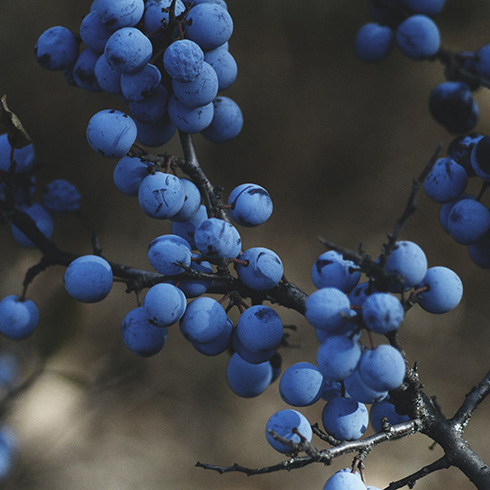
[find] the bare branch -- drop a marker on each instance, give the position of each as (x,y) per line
(327,455)
(440,464)
(473,399)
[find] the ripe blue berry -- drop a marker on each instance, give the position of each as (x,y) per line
(301,384)
(18,319)
(326,308)
(111,133)
(245,379)
(140,336)
(211,25)
(283,423)
(251,205)
(204,320)
(56,48)
(418,37)
(259,329)
(445,290)
(164,304)
(374,42)
(263,271)
(88,278)
(161,195)
(345,418)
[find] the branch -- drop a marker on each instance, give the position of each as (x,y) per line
(473,399)
(193,169)
(327,455)
(410,208)
(440,464)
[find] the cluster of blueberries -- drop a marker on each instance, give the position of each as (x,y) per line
(410,24)
(348,374)
(462,215)
(167,60)
(19,316)
(121,37)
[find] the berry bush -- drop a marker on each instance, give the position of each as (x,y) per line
(282,267)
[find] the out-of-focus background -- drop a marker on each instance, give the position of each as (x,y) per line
(337,143)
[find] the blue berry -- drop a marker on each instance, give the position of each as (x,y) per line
(382,368)
(56,48)
(183,60)
(120,13)
(482,62)
(161,195)
(84,71)
(211,25)
(111,133)
(216,238)
(418,37)
(18,319)
(301,384)
(382,313)
(332,270)
(445,290)
(468,220)
(192,201)
(164,304)
(88,278)
(250,204)
(451,104)
(407,260)
(374,42)
(337,357)
(41,218)
(283,423)
(200,91)
(94,33)
(446,181)
(480,158)
(204,320)
(224,65)
(480,251)
(245,379)
(263,271)
(219,345)
(152,108)
(357,389)
(189,120)
(128,175)
(227,121)
(344,480)
(156,133)
(136,86)
(107,78)
(140,336)
(326,308)
(166,252)
(259,329)
(128,50)
(345,418)
(60,197)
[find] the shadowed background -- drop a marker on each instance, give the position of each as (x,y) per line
(337,144)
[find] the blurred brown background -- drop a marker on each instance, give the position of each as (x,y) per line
(337,144)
